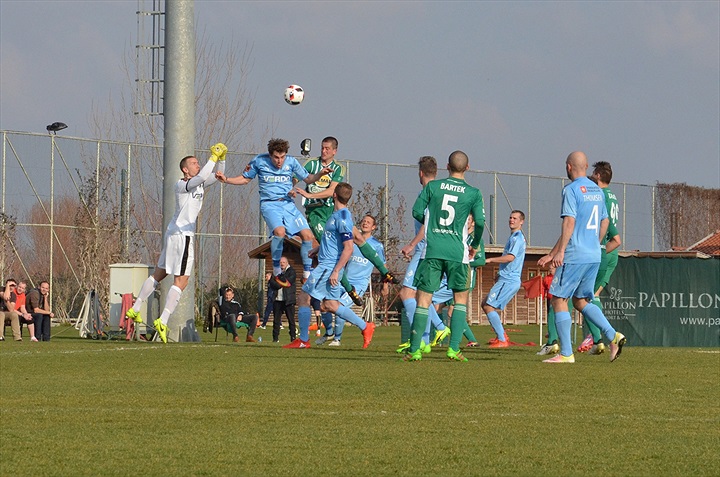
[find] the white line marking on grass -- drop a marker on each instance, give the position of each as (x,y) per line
(99,350)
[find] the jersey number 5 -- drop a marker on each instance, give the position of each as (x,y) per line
(447,207)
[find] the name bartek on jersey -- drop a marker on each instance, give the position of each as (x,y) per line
(453,188)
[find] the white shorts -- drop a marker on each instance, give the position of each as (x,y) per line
(177,255)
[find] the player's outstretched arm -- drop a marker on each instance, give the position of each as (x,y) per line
(315,177)
(217,156)
(205,176)
(238,180)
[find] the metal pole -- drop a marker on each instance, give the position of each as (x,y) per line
(386,207)
(127,204)
(624,221)
(179,138)
(529,209)
(52,211)
(2,200)
(652,239)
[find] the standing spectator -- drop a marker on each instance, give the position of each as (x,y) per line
(269,300)
(38,302)
(230,313)
(284,301)
(508,278)
(8,300)
(576,255)
(23,315)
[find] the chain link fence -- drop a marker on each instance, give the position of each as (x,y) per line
(73,206)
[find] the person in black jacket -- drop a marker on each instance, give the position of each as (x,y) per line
(269,300)
(284,301)
(230,313)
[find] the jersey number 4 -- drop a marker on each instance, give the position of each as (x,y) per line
(593,222)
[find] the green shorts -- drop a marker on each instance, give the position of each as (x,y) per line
(430,271)
(317,218)
(607,267)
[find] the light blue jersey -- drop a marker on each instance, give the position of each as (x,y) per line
(515,246)
(338,229)
(273,183)
(585,201)
(359,268)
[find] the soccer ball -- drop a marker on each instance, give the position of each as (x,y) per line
(294,94)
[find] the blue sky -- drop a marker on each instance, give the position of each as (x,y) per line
(517,85)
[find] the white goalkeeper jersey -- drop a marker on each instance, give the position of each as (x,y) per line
(189,199)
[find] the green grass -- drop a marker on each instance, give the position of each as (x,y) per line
(83,407)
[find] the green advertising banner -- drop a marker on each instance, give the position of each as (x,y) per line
(665,301)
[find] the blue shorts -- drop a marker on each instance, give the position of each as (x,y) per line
(318,285)
(502,292)
(282,213)
(360,288)
(410,271)
(575,280)
(443,294)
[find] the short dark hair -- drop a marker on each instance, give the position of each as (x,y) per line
(604,170)
(183,162)
(278,145)
(343,192)
(331,140)
(519,212)
(458,161)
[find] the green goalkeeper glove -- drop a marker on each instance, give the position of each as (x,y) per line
(217,152)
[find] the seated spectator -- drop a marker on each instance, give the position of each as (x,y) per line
(37,303)
(24,316)
(8,312)
(231,315)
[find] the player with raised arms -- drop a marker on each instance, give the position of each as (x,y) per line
(177,255)
(275,171)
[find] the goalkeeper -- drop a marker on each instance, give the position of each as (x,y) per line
(176,257)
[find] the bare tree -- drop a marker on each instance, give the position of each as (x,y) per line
(225,112)
(685,214)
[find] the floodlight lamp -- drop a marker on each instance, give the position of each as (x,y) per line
(305,146)
(55,127)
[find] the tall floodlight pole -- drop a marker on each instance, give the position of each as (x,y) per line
(179,139)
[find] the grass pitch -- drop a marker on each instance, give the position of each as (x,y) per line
(83,407)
